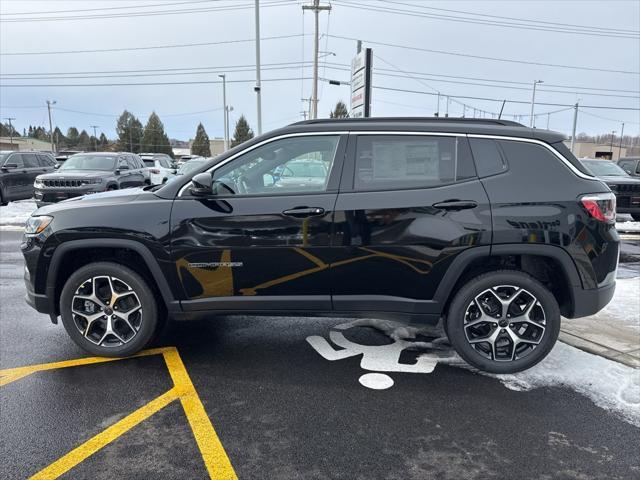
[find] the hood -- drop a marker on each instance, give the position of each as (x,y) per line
(95,199)
(74,174)
(619,180)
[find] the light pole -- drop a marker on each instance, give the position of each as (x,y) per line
(224,111)
(258,87)
(621,137)
(316,8)
(533,102)
(49,103)
(228,109)
(95,138)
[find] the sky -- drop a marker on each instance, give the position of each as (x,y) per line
(420,48)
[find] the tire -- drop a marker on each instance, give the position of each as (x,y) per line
(111,188)
(138,304)
(520,340)
(636,216)
(2,202)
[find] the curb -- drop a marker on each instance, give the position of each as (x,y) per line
(600,350)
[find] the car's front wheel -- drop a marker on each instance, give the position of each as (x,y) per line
(108,309)
(503,321)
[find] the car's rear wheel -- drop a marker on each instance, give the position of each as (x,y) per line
(108,309)
(503,321)
(2,202)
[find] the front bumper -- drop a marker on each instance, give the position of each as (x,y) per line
(47,196)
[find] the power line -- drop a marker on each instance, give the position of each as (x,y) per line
(154,47)
(495,59)
(477,21)
(421,92)
(195,82)
(105,8)
(245,6)
(587,27)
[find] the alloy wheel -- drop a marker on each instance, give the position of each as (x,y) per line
(106,311)
(504,323)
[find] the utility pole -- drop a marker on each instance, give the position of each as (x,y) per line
(446,113)
(613,132)
(13,118)
(619,148)
(533,102)
(438,109)
(575,123)
(258,86)
(548,119)
(95,138)
(49,103)
(130,137)
(224,111)
(316,8)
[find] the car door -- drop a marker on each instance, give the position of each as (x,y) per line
(260,243)
(14,177)
(409,204)
(33,168)
(124,172)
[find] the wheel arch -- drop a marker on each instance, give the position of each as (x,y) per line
(126,252)
(548,264)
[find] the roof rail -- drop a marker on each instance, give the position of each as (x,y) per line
(480,121)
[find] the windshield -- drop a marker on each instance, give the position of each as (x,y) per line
(191,166)
(89,162)
(149,162)
(604,168)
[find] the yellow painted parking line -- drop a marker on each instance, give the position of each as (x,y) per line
(91,446)
(213,454)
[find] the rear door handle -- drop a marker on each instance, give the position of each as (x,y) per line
(455,204)
(304,212)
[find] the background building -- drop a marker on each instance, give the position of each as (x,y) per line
(23,143)
(597,150)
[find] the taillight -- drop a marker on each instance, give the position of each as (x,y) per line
(155,171)
(601,206)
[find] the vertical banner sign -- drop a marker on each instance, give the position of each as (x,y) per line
(361,84)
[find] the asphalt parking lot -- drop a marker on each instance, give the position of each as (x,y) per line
(250,397)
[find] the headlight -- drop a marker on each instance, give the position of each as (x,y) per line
(91,181)
(36,225)
(38,183)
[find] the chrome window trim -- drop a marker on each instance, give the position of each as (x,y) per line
(566,162)
(264,142)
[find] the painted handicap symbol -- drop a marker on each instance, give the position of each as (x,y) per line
(386,358)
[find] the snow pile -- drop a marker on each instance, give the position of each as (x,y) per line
(16,213)
(608,384)
(624,308)
(628,226)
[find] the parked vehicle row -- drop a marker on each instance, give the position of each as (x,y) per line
(161,167)
(18,170)
(494,228)
(625,187)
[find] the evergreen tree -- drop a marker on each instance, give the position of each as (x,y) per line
(242,133)
(59,139)
(340,111)
(72,136)
(84,141)
(5,131)
(201,145)
(103,142)
(129,130)
(154,139)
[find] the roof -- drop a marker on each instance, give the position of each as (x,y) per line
(481,126)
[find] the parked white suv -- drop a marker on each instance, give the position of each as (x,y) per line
(160,166)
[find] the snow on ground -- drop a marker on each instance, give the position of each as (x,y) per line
(624,308)
(16,213)
(628,226)
(608,384)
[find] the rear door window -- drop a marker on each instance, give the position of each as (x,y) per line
(393,162)
(16,159)
(30,160)
(488,157)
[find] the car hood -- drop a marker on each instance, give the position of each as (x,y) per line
(74,174)
(96,199)
(619,180)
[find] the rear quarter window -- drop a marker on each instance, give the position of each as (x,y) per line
(488,157)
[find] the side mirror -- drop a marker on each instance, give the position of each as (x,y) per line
(56,166)
(202,184)
(9,166)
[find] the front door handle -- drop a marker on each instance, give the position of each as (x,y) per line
(456,204)
(304,212)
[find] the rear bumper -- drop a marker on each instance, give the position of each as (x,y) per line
(589,302)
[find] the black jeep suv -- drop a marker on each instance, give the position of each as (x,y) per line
(90,172)
(493,227)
